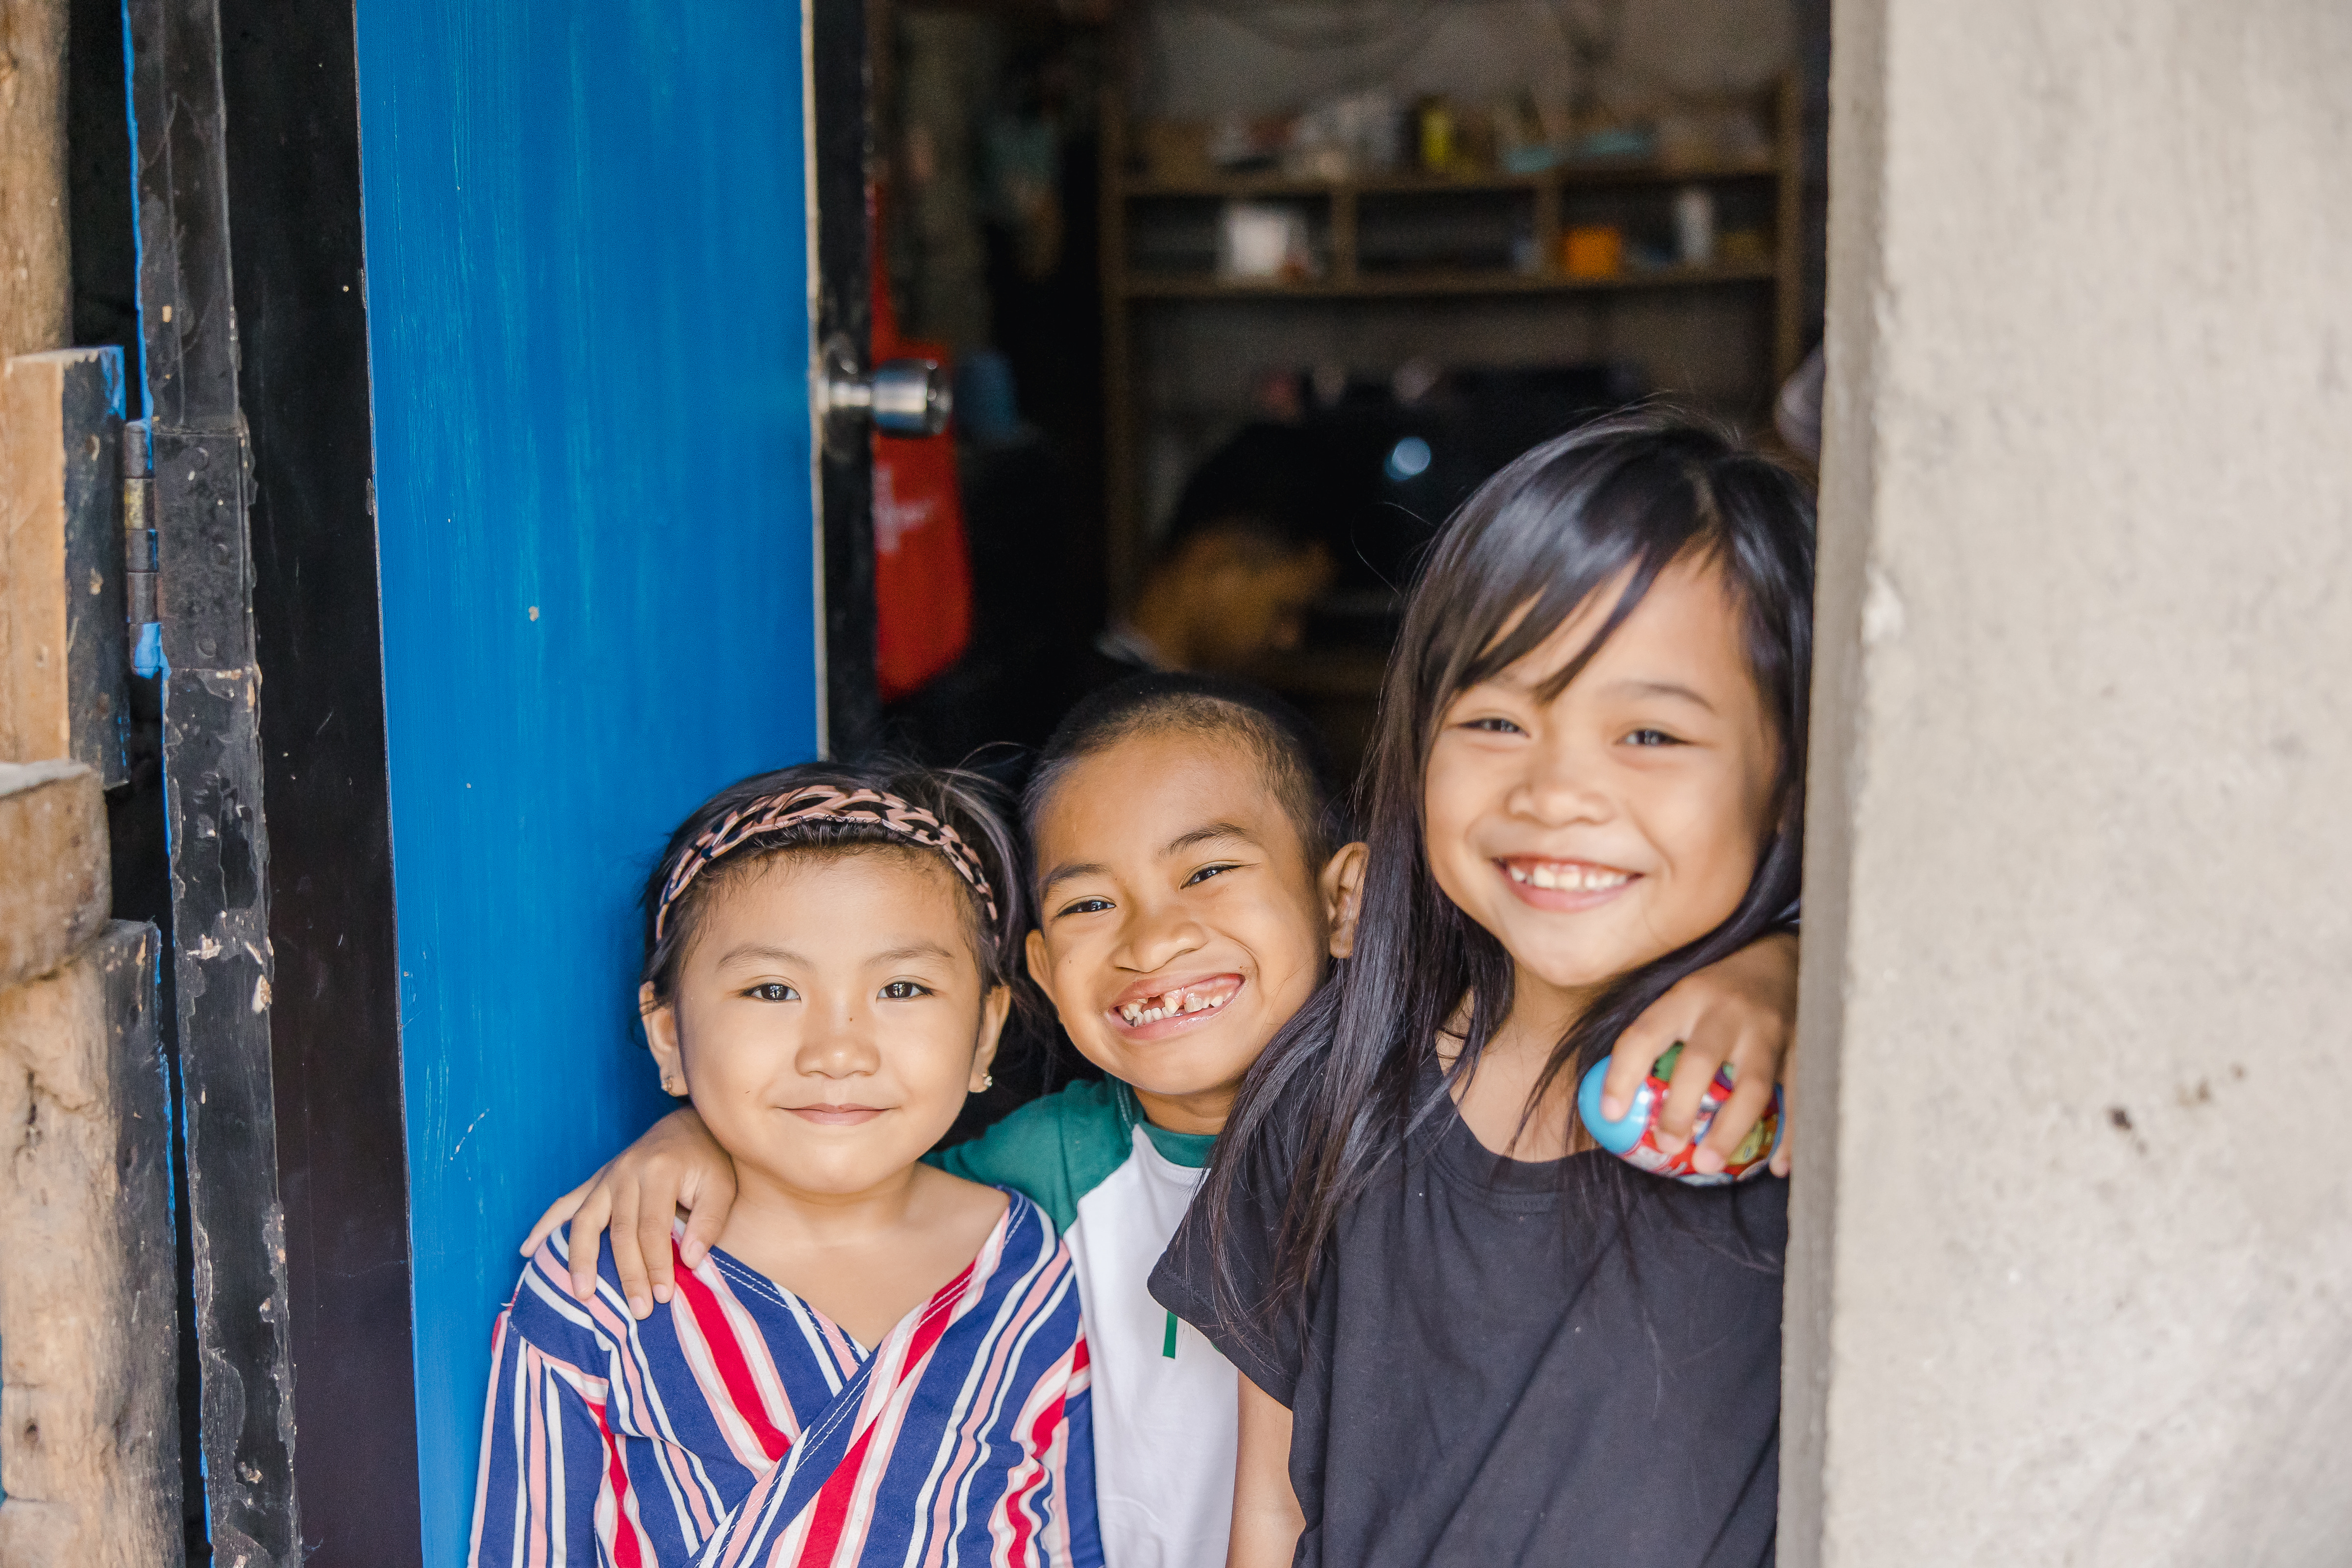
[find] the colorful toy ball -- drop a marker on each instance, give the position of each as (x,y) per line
(1633,1137)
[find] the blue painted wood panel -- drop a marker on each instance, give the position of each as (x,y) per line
(588,304)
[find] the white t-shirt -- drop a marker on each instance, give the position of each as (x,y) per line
(1164,1398)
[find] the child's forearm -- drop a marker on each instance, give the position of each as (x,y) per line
(1267,1519)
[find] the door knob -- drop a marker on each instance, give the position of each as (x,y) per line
(902,396)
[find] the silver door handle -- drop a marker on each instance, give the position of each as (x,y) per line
(902,396)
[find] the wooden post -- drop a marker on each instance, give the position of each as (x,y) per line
(53,863)
(63,686)
(89,1440)
(89,1422)
(36,291)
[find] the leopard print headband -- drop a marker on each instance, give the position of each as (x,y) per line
(813,803)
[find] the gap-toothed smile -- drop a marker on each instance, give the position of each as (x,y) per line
(1183,1000)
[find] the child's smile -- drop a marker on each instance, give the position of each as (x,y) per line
(1158,1009)
(1564,884)
(836,1115)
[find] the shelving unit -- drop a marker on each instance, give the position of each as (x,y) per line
(1538,206)
(1414,183)
(1409,285)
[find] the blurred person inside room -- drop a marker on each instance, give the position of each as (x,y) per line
(1248,553)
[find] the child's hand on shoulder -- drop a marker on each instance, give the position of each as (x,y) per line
(676,1165)
(1741,1010)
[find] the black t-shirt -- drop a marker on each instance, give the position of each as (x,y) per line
(1503,1363)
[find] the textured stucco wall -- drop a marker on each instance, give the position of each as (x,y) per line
(2072,1276)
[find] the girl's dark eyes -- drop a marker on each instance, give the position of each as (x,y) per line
(904,991)
(773,991)
(1651,737)
(1494,726)
(1086,907)
(1205,872)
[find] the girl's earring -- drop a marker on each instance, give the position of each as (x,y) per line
(987,1081)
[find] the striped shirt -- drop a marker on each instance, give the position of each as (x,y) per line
(738,1425)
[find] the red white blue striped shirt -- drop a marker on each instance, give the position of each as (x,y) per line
(738,1426)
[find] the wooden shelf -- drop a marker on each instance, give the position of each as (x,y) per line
(1566,175)
(1554,200)
(1412,285)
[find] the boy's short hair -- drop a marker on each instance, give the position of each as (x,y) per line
(1297,766)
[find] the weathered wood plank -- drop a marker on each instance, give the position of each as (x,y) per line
(89,1417)
(63,680)
(53,865)
(35,297)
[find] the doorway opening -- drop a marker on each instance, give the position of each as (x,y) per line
(1328,264)
(1221,282)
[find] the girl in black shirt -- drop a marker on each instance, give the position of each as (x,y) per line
(1466,1334)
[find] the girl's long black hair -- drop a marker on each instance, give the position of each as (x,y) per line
(1335,1093)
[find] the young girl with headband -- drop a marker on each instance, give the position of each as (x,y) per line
(879,1361)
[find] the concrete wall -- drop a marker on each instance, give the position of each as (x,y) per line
(2072,1276)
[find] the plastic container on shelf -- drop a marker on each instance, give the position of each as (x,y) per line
(1695,226)
(1593,250)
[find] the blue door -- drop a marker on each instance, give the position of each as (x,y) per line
(588,263)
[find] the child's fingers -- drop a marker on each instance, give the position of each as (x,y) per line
(562,1209)
(706,1220)
(1703,1052)
(1783,1158)
(653,1218)
(1751,1096)
(1637,1050)
(628,1260)
(1764,1057)
(586,1235)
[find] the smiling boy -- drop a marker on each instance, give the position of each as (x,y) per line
(1189,895)
(1193,884)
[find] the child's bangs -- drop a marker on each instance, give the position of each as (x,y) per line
(1503,585)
